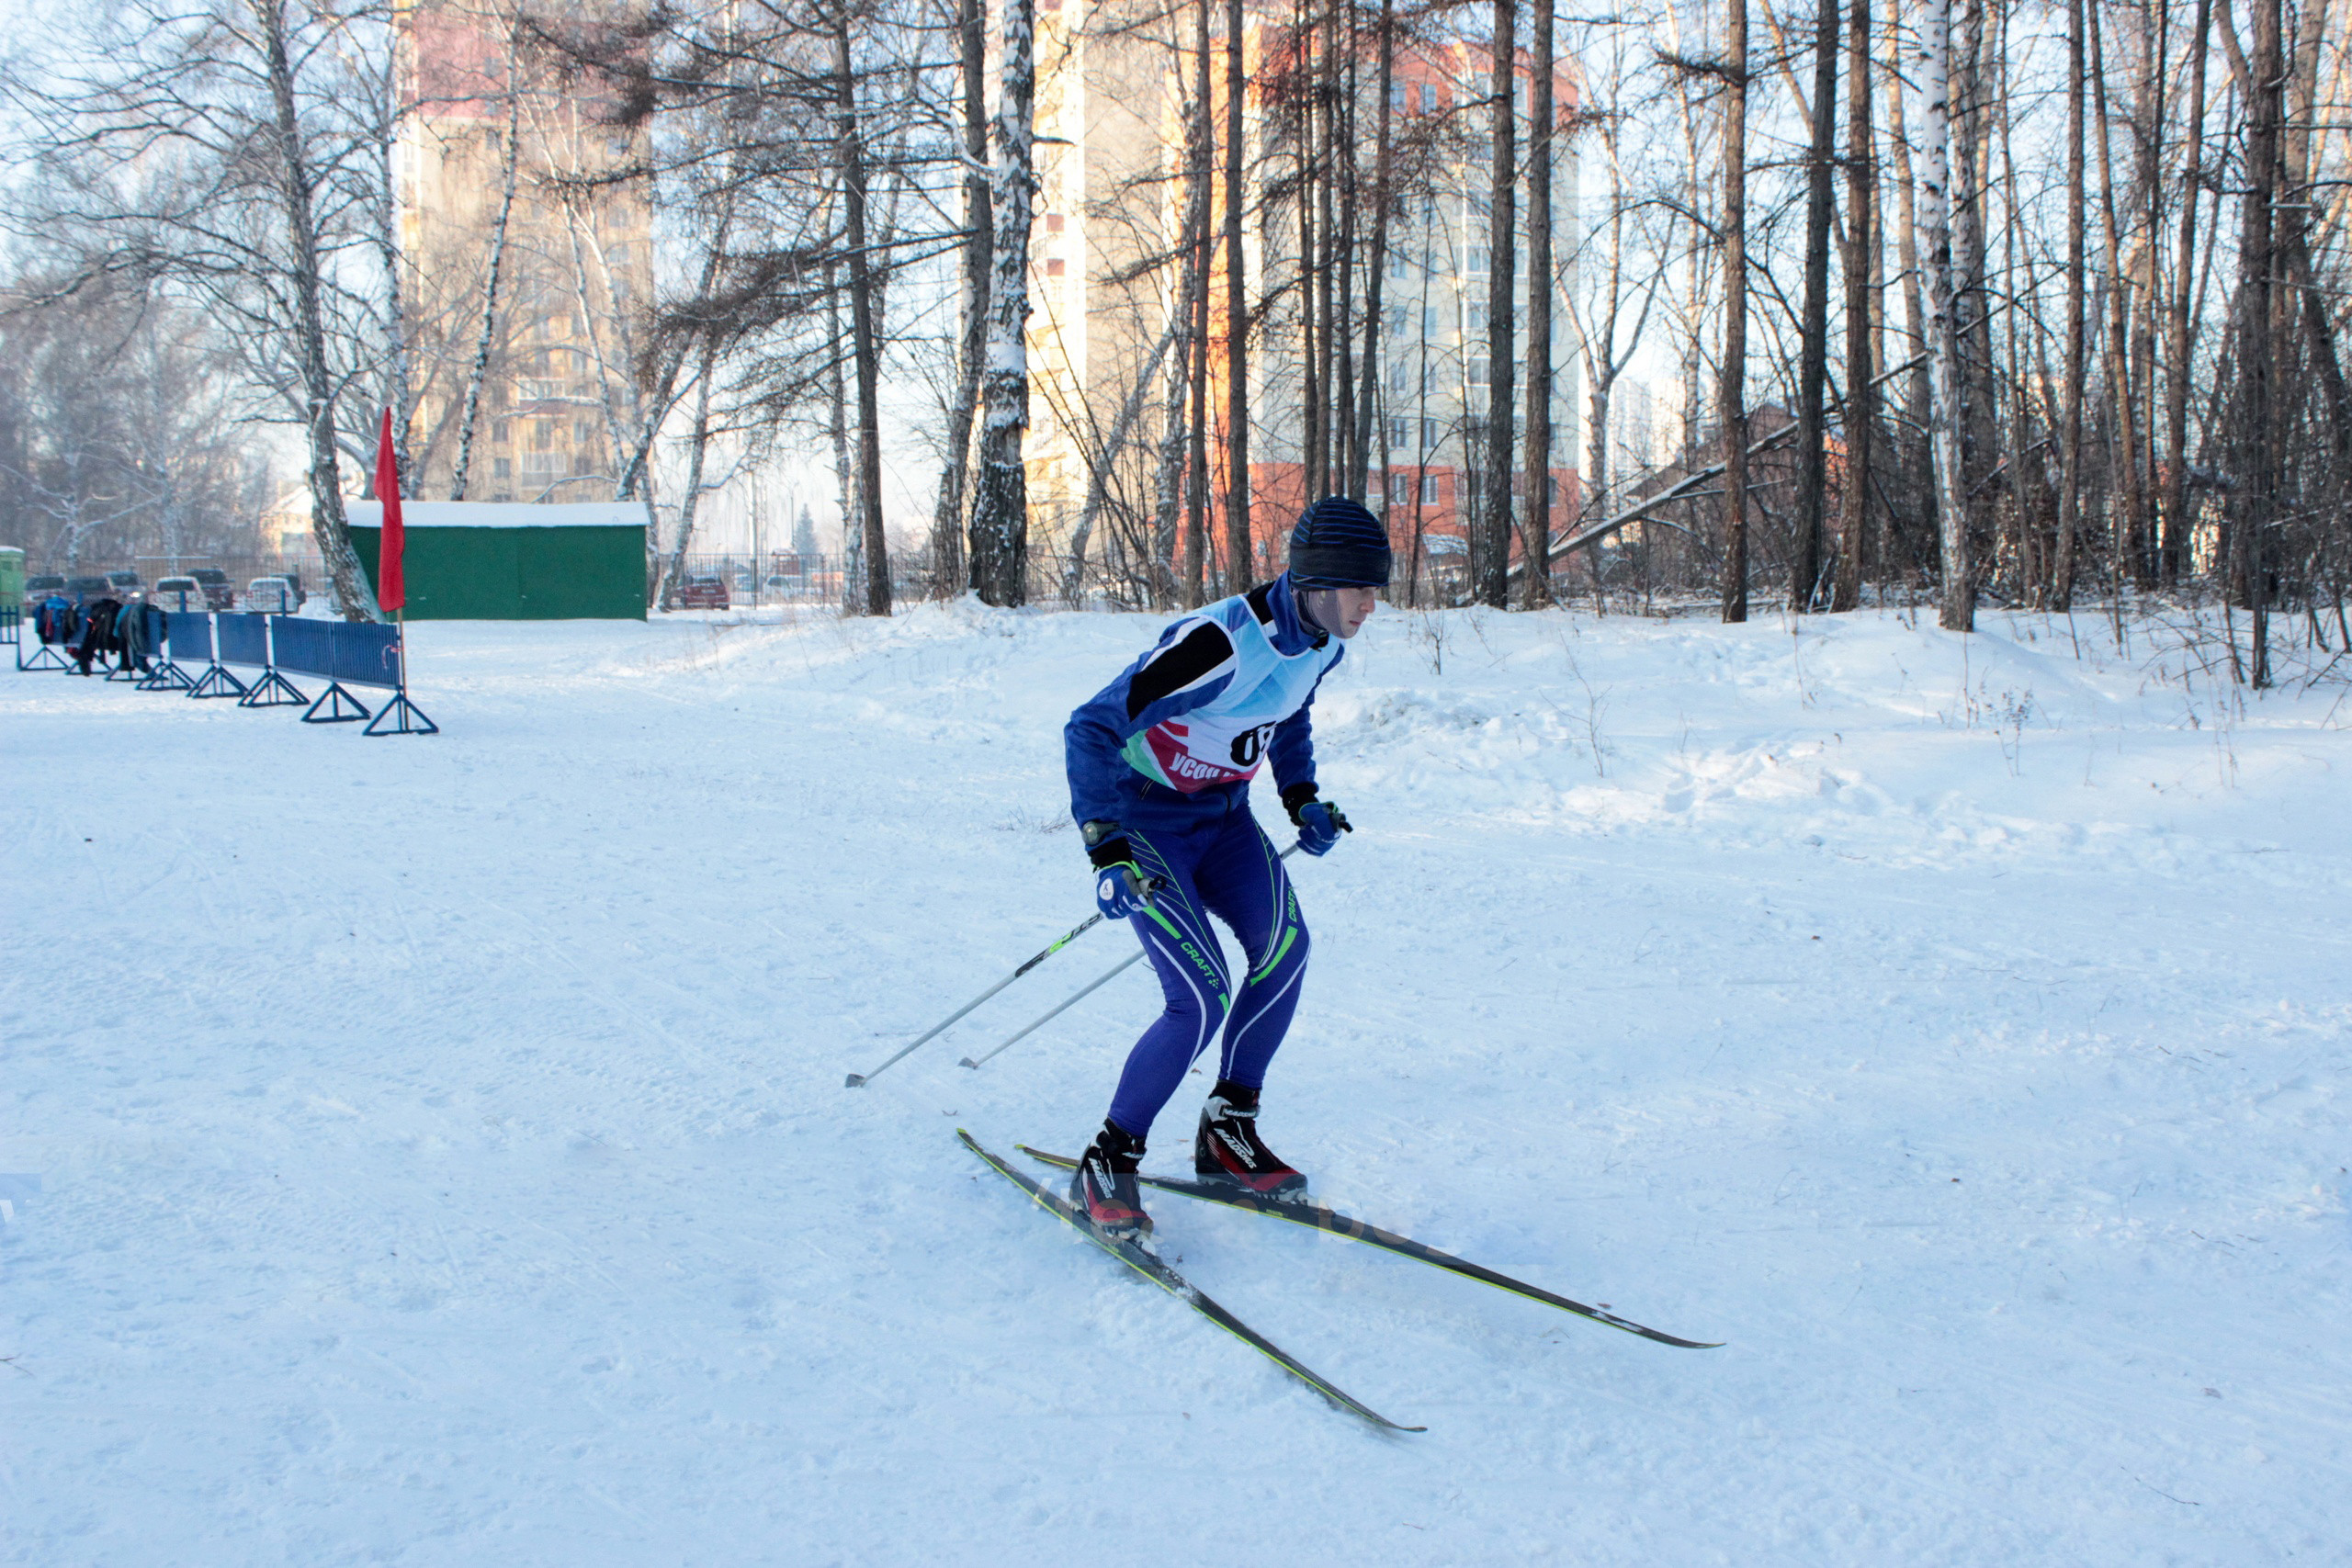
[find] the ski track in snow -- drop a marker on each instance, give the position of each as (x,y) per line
(435,1152)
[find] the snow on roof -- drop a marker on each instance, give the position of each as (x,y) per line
(501,515)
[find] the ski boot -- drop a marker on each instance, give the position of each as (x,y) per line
(1103,1187)
(1227,1148)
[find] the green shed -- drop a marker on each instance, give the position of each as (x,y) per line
(480,560)
(12,575)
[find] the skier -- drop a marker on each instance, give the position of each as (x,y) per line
(1160,762)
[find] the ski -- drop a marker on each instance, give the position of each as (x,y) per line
(1318,1216)
(1144,1263)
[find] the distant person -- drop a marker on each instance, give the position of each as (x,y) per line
(1160,762)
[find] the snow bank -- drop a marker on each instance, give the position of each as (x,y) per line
(429,1151)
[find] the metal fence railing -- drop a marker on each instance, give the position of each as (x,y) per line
(781,578)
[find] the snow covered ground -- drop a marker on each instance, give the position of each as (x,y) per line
(435,1151)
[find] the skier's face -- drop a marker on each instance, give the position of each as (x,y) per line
(1341,611)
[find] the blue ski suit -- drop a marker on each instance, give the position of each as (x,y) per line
(1166,752)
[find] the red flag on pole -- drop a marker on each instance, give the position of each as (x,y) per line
(390,590)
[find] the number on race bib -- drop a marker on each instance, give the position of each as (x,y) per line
(1250,744)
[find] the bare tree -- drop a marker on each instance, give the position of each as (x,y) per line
(1806,581)
(1540,121)
(977,251)
(1240,568)
(1000,518)
(1732,398)
(1957,609)
(1862,370)
(1491,534)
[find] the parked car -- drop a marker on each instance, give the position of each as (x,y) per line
(779,582)
(219,593)
(39,588)
(270,596)
(174,592)
(703,594)
(126,585)
(81,589)
(294,580)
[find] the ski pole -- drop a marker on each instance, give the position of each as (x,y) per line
(1130,961)
(859,1080)
(1133,959)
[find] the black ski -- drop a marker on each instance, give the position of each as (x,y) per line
(1318,1216)
(1175,1284)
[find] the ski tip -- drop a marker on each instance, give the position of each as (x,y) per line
(855,1080)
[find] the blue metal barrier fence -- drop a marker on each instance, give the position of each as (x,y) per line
(340,652)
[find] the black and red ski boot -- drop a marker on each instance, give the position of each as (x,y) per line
(1227,1147)
(1103,1187)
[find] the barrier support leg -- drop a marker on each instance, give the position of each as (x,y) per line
(335,705)
(216,682)
(165,676)
(272,690)
(46,659)
(401,717)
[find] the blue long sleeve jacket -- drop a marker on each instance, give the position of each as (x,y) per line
(1180,733)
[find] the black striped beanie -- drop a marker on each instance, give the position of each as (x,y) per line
(1337,544)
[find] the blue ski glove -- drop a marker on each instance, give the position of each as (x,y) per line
(1119,888)
(1319,822)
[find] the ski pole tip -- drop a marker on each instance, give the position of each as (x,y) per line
(855,1080)
(968,1062)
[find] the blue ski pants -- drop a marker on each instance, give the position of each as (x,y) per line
(1227,867)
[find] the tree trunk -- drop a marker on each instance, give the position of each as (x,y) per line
(296,190)
(2255,495)
(1956,610)
(979,242)
(1490,538)
(1240,569)
(1862,401)
(1181,434)
(1311,368)
(1000,520)
(510,166)
(2070,393)
(2129,527)
(1196,535)
(1383,195)
(1972,320)
(865,335)
(1537,531)
(1918,392)
(2174,549)
(845,471)
(1339,341)
(698,448)
(1805,584)
(1732,396)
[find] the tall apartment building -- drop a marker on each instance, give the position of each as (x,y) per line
(578,251)
(1111,161)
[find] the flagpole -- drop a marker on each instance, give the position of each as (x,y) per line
(391,584)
